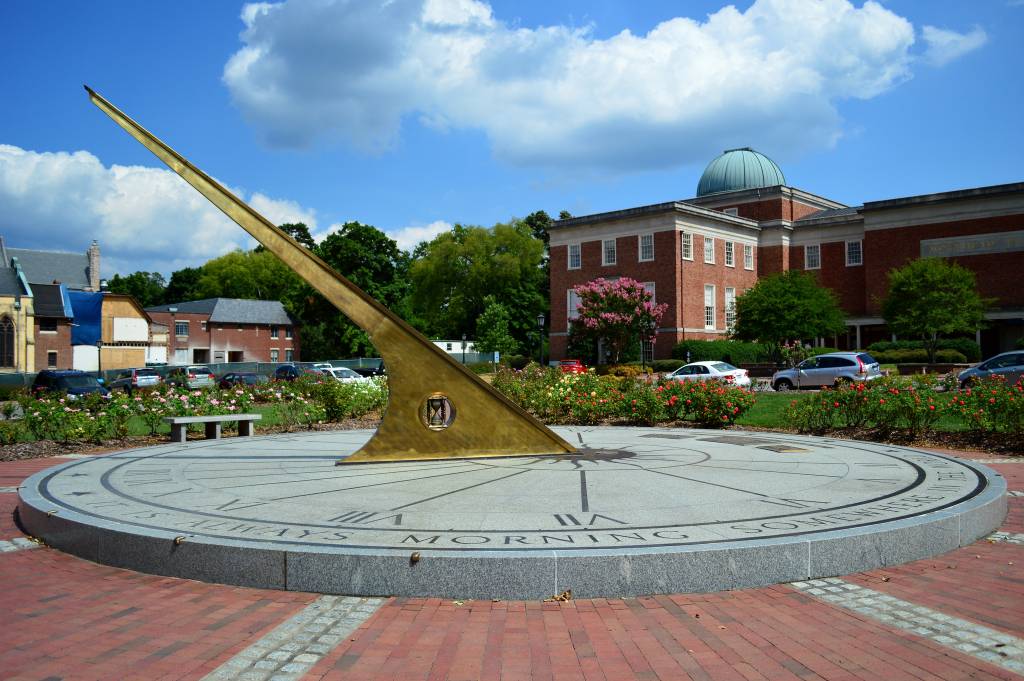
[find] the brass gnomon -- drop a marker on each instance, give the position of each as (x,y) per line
(437,409)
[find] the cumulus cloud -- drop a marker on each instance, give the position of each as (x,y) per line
(770,76)
(409,237)
(144,218)
(944,46)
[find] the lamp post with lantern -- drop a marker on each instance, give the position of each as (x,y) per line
(540,337)
(463,348)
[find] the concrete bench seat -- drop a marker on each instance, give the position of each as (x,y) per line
(179,424)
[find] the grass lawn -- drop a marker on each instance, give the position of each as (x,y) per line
(769,411)
(136,426)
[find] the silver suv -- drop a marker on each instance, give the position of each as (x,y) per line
(831,369)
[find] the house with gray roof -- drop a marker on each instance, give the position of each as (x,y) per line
(217,330)
(77,271)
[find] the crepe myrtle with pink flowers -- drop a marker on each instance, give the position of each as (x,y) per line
(620,312)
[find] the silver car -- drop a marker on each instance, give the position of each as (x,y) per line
(1009,365)
(826,370)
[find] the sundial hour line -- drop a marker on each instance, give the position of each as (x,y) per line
(339,475)
(326,477)
(762,470)
(455,491)
(379,484)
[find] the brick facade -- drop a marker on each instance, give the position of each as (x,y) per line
(217,342)
(58,341)
(782,223)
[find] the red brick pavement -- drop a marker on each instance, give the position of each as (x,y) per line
(66,618)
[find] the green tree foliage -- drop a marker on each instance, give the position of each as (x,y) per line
(247,274)
(929,298)
(372,261)
(492,334)
(620,312)
(298,231)
(183,285)
(454,273)
(787,307)
(145,287)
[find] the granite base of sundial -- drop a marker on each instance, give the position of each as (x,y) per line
(639,511)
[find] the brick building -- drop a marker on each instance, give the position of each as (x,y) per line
(219,330)
(697,255)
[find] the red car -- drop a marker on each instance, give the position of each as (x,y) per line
(572,366)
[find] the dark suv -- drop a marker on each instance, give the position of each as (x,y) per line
(72,383)
(289,372)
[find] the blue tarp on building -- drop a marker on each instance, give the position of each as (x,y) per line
(87,309)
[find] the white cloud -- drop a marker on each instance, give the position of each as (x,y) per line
(409,237)
(144,218)
(944,46)
(770,76)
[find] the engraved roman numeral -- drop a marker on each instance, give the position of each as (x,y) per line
(793,503)
(234,505)
(364,517)
(566,519)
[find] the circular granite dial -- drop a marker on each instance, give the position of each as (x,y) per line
(628,488)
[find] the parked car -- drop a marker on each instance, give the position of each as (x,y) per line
(345,375)
(191,377)
(572,366)
(1009,365)
(289,372)
(828,370)
(711,371)
(132,379)
(370,372)
(242,378)
(70,383)
(322,365)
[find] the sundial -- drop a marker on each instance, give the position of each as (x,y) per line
(635,511)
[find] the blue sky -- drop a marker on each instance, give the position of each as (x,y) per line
(416,114)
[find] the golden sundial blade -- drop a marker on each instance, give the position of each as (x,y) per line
(437,408)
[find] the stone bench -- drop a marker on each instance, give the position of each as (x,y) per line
(179,424)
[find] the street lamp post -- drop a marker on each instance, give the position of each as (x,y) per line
(463,348)
(99,360)
(540,336)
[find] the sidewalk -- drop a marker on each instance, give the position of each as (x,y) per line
(957,616)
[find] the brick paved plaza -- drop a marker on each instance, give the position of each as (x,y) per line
(956,616)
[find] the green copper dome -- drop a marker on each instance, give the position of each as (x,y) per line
(739,169)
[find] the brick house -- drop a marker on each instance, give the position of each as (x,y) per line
(219,330)
(697,255)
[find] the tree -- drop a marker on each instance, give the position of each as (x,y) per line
(931,297)
(183,285)
(456,271)
(298,231)
(492,333)
(146,287)
(785,307)
(256,275)
(620,312)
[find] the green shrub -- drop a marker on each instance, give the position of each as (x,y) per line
(517,361)
(991,406)
(623,370)
(1020,343)
(734,352)
(814,352)
(481,367)
(918,356)
(667,365)
(970,350)
(340,401)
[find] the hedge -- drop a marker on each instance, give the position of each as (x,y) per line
(970,350)
(918,357)
(734,352)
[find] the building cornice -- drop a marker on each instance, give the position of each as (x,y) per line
(762,193)
(655,209)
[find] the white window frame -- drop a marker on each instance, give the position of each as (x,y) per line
(748,256)
(650,288)
(274,331)
(731,211)
(275,354)
(55,356)
(860,253)
(812,248)
(571,311)
(180,335)
(288,333)
(709,310)
(730,254)
(730,307)
(686,246)
(709,250)
(289,355)
(604,252)
(572,249)
(640,247)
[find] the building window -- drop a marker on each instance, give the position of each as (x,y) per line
(812,257)
(709,250)
(289,355)
(646,247)
(854,254)
(730,307)
(649,287)
(575,261)
(202,325)
(730,260)
(51,359)
(608,254)
(573,304)
(686,240)
(447,347)
(273,330)
(709,306)
(273,355)
(288,332)
(181,329)
(48,326)
(748,257)
(731,211)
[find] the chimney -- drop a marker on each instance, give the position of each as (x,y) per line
(94,266)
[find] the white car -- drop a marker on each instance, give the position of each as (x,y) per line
(345,375)
(712,371)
